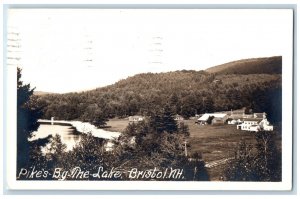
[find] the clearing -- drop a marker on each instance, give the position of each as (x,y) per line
(215,143)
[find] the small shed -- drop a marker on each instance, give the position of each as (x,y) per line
(178,118)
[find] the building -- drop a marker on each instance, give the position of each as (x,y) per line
(256,124)
(213,118)
(136,118)
(265,125)
(241,113)
(178,118)
(232,121)
(219,119)
(204,119)
(259,115)
(250,124)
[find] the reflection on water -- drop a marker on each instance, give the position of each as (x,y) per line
(68,134)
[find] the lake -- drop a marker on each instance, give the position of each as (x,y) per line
(68,134)
(71,131)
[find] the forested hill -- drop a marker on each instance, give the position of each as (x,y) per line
(267,65)
(186,92)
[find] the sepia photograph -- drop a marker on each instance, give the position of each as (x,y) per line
(150,95)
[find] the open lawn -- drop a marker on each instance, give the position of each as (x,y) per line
(216,142)
(117,124)
(213,142)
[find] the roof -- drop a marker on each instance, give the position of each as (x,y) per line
(259,115)
(136,116)
(252,119)
(236,116)
(207,115)
(220,115)
(238,111)
(204,117)
(218,119)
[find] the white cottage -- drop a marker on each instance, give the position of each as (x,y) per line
(250,124)
(135,118)
(256,124)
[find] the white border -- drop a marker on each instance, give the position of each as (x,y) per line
(286,183)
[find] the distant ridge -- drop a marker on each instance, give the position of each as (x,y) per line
(42,93)
(266,65)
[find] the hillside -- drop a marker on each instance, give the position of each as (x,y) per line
(268,65)
(186,92)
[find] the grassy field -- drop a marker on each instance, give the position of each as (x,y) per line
(213,142)
(216,142)
(117,124)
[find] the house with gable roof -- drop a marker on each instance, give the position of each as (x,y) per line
(258,122)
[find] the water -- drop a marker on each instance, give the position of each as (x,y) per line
(67,133)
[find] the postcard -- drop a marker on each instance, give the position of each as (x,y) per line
(149,99)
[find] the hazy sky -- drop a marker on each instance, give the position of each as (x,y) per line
(73,50)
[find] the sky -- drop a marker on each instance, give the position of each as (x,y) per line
(69,50)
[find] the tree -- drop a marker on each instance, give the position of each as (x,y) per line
(241,167)
(88,153)
(37,156)
(183,129)
(195,169)
(262,165)
(208,104)
(56,152)
(169,122)
(268,160)
(99,119)
(27,116)
(174,103)
(163,121)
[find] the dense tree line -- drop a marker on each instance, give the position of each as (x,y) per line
(186,92)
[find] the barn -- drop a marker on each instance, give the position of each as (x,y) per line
(219,119)
(213,118)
